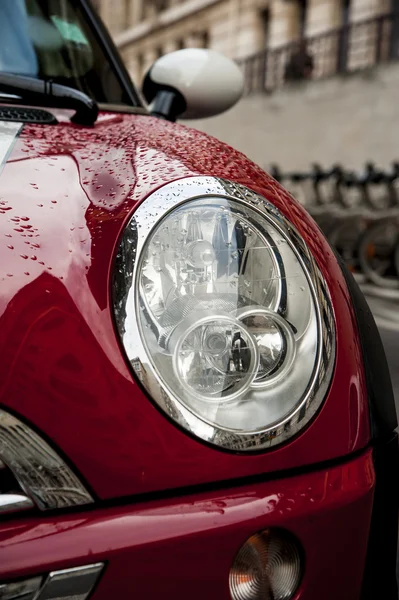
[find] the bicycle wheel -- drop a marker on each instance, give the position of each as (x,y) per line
(378,253)
(345,238)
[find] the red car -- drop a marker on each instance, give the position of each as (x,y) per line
(195,401)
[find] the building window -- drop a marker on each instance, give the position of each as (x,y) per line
(140,67)
(302,17)
(127,14)
(345,12)
(203,39)
(265,18)
(137,9)
(160,5)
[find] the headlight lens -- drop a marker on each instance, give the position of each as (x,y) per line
(223,313)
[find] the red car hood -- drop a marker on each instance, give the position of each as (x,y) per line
(65,194)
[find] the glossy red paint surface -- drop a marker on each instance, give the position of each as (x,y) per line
(184,547)
(65,195)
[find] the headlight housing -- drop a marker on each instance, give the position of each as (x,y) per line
(223,313)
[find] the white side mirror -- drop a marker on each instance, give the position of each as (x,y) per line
(192,84)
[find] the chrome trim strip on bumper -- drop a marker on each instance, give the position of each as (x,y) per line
(14,502)
(67,584)
(20,590)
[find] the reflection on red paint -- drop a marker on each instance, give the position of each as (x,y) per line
(197,537)
(62,367)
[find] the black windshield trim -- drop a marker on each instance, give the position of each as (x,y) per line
(105,42)
(123,108)
(41,92)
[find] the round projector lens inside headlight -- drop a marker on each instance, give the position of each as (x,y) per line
(275,342)
(267,567)
(223,313)
(214,358)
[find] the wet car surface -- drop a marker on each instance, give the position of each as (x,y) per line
(109,473)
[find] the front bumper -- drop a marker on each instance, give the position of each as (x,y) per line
(183,546)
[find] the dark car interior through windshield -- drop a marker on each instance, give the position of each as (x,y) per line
(53,40)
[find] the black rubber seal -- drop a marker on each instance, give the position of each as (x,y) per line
(379,580)
(383,418)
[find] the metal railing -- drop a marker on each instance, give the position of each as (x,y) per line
(346,49)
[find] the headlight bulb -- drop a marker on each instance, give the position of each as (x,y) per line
(200,254)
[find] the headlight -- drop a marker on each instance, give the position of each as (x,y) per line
(223,313)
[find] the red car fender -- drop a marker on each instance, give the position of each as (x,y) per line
(66,194)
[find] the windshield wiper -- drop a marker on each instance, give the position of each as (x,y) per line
(38,92)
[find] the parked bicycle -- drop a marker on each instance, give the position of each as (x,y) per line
(357,211)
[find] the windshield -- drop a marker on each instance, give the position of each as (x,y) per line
(52,39)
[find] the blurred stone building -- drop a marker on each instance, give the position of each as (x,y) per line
(331,118)
(146,29)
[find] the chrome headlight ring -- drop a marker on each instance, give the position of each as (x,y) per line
(140,319)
